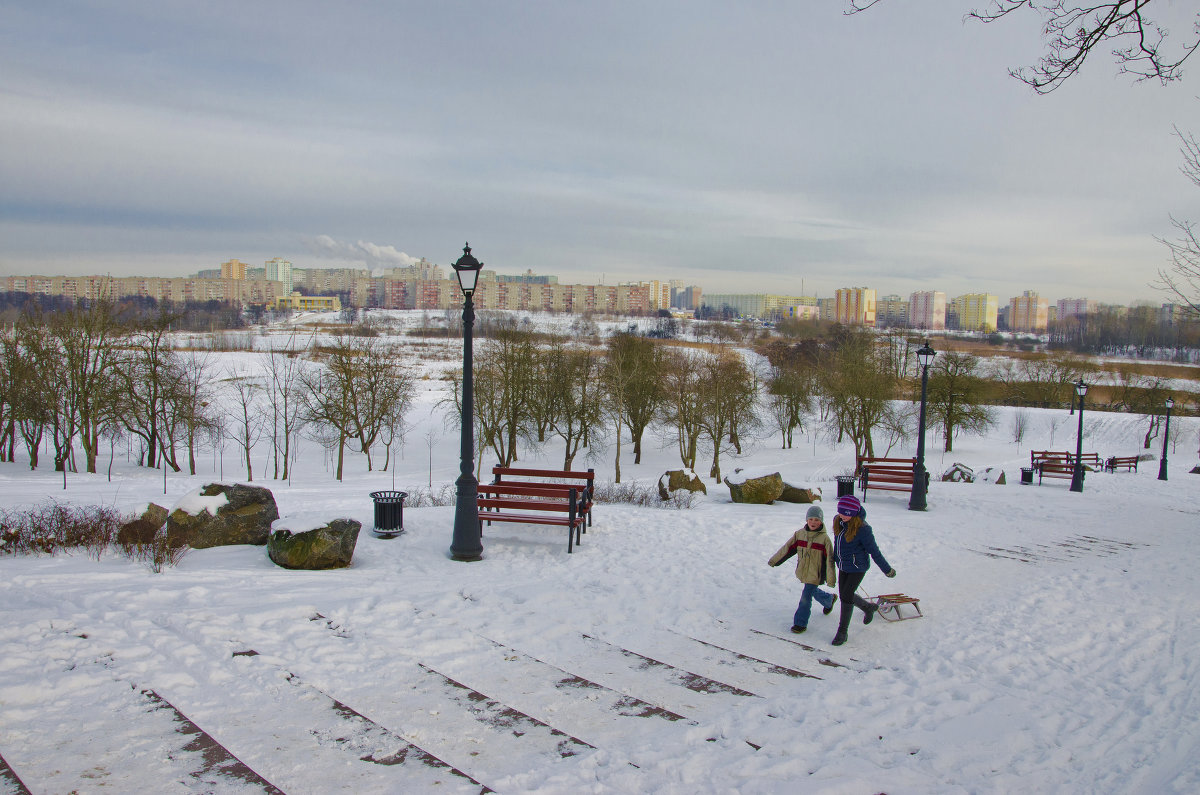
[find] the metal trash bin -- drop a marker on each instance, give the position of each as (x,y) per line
(1026,476)
(389,513)
(845,486)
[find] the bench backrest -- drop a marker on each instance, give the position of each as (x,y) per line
(499,473)
(878,463)
(1038,456)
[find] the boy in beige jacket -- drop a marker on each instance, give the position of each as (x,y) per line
(814,564)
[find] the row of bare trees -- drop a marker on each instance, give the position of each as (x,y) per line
(529,389)
(78,377)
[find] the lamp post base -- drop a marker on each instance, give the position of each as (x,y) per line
(916,498)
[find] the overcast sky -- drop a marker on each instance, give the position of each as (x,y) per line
(757,146)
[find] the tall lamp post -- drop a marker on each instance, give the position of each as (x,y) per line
(916,499)
(1077,473)
(468,542)
(1162,463)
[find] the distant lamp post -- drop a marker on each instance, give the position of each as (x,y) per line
(1077,473)
(468,543)
(1162,464)
(916,499)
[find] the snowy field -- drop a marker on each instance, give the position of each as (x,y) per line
(1059,649)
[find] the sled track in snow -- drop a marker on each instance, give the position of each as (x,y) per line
(1070,548)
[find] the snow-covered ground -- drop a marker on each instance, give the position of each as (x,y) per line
(1059,649)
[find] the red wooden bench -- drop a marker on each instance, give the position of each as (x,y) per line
(886,474)
(532,504)
(557,479)
(1127,462)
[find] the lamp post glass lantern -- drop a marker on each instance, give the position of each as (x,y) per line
(467,544)
(916,498)
(1077,472)
(1162,462)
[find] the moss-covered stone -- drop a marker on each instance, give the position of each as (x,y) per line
(328,547)
(762,490)
(245,518)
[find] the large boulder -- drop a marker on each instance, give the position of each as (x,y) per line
(991,475)
(800,494)
(675,479)
(329,546)
(141,531)
(220,514)
(754,489)
(959,473)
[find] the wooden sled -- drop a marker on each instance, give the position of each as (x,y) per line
(892,606)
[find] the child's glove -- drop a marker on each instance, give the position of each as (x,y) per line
(891,573)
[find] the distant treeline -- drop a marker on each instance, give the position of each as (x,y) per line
(188,316)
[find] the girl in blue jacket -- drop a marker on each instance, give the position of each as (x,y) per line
(854,548)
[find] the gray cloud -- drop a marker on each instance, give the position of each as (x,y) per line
(755,147)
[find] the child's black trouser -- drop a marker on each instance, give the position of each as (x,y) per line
(848,582)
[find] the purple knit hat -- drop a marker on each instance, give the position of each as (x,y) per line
(849,506)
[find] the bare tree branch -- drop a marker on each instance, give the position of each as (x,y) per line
(1074,30)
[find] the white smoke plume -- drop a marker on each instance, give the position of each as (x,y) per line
(374,256)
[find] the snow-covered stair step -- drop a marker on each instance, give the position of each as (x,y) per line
(486,738)
(90,722)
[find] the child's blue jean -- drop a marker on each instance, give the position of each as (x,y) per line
(805,608)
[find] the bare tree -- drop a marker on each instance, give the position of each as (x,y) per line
(955,397)
(283,368)
(250,419)
(1020,423)
(504,382)
(857,386)
(682,405)
(1182,278)
(572,377)
(729,392)
(631,376)
(1073,31)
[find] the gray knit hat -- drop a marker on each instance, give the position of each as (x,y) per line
(815,512)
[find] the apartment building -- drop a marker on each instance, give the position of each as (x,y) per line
(854,306)
(233,269)
(1075,307)
(279,270)
(1028,312)
(891,311)
(977,312)
(764,306)
(927,310)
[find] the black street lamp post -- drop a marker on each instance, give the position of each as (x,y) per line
(468,542)
(1077,473)
(916,499)
(1162,463)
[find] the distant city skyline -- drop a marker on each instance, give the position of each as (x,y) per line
(774,148)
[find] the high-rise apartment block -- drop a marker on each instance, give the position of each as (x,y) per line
(682,297)
(234,269)
(760,305)
(891,311)
(927,310)
(1075,307)
(977,312)
(1028,312)
(854,306)
(279,270)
